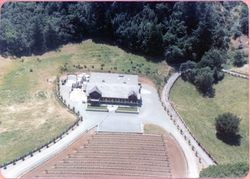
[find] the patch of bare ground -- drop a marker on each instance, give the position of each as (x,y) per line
(146,80)
(153,129)
(176,156)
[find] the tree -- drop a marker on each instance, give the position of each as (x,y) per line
(244,19)
(38,45)
(214,58)
(182,30)
(239,59)
(174,54)
(204,80)
(227,127)
(188,70)
(50,37)
(189,65)
(154,43)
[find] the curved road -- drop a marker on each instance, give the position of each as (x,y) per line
(205,159)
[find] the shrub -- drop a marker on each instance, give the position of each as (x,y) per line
(227,128)
(239,59)
(204,81)
(228,170)
(188,71)
(227,124)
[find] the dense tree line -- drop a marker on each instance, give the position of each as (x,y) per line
(177,31)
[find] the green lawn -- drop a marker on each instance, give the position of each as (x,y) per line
(30,114)
(97,108)
(199,113)
(129,108)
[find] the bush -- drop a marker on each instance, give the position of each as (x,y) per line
(239,59)
(227,128)
(229,170)
(204,81)
(214,58)
(188,71)
(237,34)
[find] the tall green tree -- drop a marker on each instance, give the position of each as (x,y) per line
(204,80)
(38,45)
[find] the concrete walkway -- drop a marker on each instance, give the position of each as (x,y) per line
(206,160)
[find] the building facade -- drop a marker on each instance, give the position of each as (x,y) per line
(114,89)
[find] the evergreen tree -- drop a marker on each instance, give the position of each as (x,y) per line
(50,36)
(204,80)
(38,45)
(239,59)
(227,124)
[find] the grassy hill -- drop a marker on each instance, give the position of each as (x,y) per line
(199,113)
(30,114)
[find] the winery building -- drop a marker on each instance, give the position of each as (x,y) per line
(114,89)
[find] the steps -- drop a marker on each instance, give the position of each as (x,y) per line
(117,154)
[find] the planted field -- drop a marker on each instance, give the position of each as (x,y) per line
(30,114)
(199,114)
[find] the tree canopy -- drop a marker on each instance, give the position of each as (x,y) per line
(177,31)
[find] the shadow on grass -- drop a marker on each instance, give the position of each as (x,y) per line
(234,140)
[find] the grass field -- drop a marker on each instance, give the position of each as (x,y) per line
(30,114)
(199,113)
(129,109)
(243,69)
